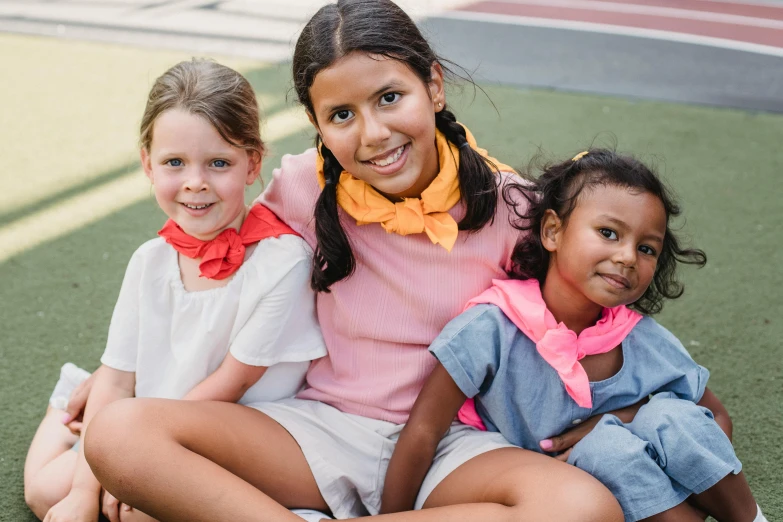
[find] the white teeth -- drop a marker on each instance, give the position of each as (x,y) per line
(388,160)
(197,207)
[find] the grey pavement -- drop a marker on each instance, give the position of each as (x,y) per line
(509,53)
(611,64)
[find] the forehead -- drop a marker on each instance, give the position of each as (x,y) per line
(179,129)
(356,77)
(639,210)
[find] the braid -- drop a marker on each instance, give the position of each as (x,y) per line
(333,259)
(478,182)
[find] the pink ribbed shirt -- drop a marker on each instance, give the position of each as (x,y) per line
(378,323)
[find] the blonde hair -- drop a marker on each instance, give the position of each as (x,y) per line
(215,92)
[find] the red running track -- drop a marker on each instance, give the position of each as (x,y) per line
(755,23)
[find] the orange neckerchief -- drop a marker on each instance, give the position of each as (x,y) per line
(222,256)
(428,214)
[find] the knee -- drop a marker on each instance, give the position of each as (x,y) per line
(582,497)
(109,438)
(664,414)
(606,450)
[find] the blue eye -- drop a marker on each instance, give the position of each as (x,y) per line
(390,97)
(647,250)
(174,162)
(608,233)
(219,163)
(341,116)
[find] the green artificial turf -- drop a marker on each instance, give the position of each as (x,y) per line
(69,120)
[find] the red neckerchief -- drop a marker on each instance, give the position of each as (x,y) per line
(222,256)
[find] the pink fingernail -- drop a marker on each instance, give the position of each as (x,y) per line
(66,418)
(546,444)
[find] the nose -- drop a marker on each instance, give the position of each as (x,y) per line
(374,130)
(195,180)
(626,254)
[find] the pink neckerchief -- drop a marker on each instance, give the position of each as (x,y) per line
(522,303)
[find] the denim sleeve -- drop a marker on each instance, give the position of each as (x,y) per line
(470,347)
(688,379)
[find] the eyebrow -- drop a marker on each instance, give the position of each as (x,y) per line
(393,84)
(623,224)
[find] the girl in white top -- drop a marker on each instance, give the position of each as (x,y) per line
(221,300)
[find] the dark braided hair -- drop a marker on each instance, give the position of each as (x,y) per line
(377,27)
(558,189)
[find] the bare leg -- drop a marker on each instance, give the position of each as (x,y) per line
(199,461)
(730,500)
(218,461)
(49,466)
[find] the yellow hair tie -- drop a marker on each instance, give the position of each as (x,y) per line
(580,155)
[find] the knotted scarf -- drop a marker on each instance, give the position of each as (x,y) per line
(223,255)
(428,213)
(523,304)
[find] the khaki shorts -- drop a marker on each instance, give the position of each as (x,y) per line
(348,454)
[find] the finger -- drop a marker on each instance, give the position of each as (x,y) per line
(563,457)
(75,427)
(555,444)
(78,399)
(111,507)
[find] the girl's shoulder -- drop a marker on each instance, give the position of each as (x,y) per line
(650,332)
(152,251)
(296,171)
(293,191)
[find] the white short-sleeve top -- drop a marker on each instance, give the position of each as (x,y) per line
(173,339)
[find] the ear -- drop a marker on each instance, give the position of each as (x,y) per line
(313,121)
(146,163)
(551,226)
(253,166)
(437,87)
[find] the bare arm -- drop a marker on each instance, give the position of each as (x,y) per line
(710,401)
(228,383)
(430,418)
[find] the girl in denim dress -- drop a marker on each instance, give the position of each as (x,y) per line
(555,346)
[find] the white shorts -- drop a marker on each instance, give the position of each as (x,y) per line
(348,454)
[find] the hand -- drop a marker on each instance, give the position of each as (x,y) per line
(116,511)
(567,440)
(129,514)
(74,412)
(80,505)
(110,507)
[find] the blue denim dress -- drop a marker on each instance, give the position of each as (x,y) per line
(673,447)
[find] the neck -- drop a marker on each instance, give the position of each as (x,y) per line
(568,306)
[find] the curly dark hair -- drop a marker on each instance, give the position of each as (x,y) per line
(379,28)
(558,188)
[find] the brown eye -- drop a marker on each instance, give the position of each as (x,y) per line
(647,250)
(341,116)
(390,97)
(608,233)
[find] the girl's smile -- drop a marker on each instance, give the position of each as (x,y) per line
(606,254)
(378,119)
(199,179)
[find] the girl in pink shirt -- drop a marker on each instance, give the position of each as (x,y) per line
(408,222)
